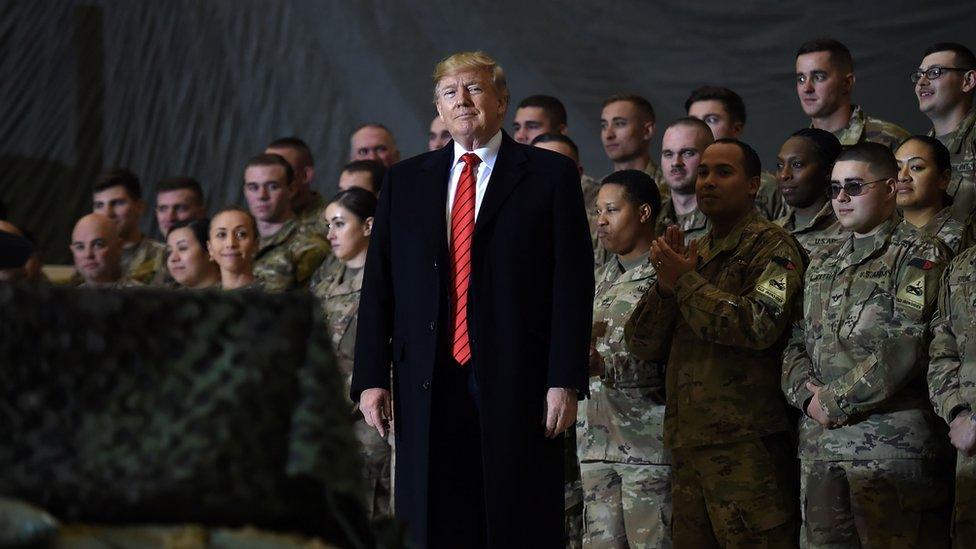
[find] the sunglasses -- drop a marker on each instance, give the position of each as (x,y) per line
(850,188)
(933,73)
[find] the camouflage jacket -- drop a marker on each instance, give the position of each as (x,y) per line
(287,259)
(695,224)
(144,261)
(863,337)
(954,233)
(623,420)
(653,170)
(952,366)
(312,213)
(862,127)
(769,200)
(338,294)
(125,282)
(722,334)
(962,153)
(821,232)
(591,188)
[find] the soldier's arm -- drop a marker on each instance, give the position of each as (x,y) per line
(648,331)
(945,362)
(309,253)
(797,364)
(901,350)
(756,319)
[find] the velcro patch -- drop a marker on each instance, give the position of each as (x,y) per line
(912,293)
(784,263)
(920,263)
(774,288)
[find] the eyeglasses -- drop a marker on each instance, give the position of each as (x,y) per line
(933,73)
(850,188)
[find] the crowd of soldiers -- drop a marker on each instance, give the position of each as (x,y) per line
(778,357)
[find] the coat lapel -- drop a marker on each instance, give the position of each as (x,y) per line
(505,176)
(433,183)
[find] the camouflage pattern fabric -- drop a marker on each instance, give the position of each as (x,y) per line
(312,214)
(591,188)
(739,494)
(144,261)
(722,334)
(962,153)
(694,224)
(123,283)
(953,233)
(287,259)
(233,413)
(769,201)
(653,170)
(626,505)
(338,294)
(862,127)
(572,492)
(952,374)
(876,503)
(863,337)
(822,231)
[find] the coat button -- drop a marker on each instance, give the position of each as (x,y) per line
(435,264)
(431,326)
(426,384)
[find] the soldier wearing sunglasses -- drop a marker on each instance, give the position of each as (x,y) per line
(873,455)
(944,84)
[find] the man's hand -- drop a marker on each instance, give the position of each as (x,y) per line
(560,410)
(671,259)
(377,408)
(815,409)
(597,367)
(962,433)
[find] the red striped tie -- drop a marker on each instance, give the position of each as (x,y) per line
(462,229)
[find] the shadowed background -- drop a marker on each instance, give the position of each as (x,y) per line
(195,88)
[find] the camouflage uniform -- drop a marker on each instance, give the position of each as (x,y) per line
(962,153)
(863,337)
(125,282)
(625,471)
(726,424)
(287,259)
(694,224)
(954,233)
(952,376)
(769,200)
(144,260)
(312,214)
(653,170)
(861,128)
(822,231)
(338,294)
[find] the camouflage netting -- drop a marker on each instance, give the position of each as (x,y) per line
(140,406)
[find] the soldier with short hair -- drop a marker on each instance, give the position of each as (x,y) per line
(952,383)
(872,451)
(307,203)
(626,128)
(717,316)
(97,250)
(289,251)
(682,146)
(944,84)
(117,195)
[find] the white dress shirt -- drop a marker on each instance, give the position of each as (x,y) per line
(487,154)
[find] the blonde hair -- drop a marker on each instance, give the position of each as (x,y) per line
(468,60)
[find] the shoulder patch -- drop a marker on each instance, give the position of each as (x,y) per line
(774,288)
(784,263)
(920,263)
(912,293)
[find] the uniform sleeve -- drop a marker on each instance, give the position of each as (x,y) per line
(648,331)
(310,252)
(756,319)
(945,362)
(901,345)
(797,364)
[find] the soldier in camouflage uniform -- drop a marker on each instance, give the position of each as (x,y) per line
(289,251)
(944,84)
(681,148)
(619,432)
(924,174)
(118,196)
(349,219)
(717,317)
(307,203)
(97,250)
(824,85)
(803,166)
(725,113)
(952,383)
(232,245)
(873,470)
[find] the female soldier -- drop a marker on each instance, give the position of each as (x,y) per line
(624,468)
(186,252)
(233,243)
(924,172)
(349,217)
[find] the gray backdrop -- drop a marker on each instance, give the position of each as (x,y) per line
(195,87)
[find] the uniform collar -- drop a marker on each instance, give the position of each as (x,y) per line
(954,139)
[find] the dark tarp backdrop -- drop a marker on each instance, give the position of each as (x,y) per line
(195,88)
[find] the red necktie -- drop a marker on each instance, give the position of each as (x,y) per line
(462,229)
